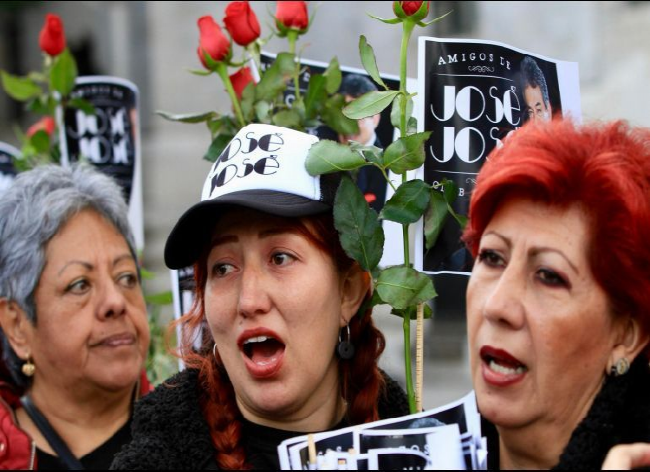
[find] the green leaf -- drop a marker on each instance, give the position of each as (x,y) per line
(63,73)
(42,105)
(40,141)
(188,117)
(402,287)
(396,110)
(369,62)
(412,126)
(408,204)
(370,153)
(274,80)
(406,153)
(434,218)
(388,21)
(200,72)
(288,119)
(162,298)
(83,105)
(333,117)
(360,231)
(369,104)
(20,88)
(412,312)
(218,145)
(247,99)
(450,191)
(262,111)
(451,194)
(333,76)
(328,156)
(316,95)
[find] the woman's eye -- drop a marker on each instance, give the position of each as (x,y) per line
(491,258)
(78,286)
(129,279)
(221,269)
(551,278)
(281,258)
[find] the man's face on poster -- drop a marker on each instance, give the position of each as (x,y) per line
(535,106)
(366,128)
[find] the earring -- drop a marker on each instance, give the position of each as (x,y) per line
(345,348)
(214,350)
(621,367)
(28,368)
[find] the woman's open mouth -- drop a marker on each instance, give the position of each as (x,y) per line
(500,368)
(263,352)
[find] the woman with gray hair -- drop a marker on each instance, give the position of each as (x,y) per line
(73,323)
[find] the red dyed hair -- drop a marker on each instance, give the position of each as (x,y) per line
(605,168)
(360,379)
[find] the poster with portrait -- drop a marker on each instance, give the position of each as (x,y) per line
(475,93)
(377,131)
(7,169)
(108,139)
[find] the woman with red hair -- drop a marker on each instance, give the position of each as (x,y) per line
(557,304)
(289,353)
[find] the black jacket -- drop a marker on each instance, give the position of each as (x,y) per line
(620,415)
(170,432)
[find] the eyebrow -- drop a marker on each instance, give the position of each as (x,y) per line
(88,266)
(537,249)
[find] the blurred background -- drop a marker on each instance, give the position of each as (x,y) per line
(154,43)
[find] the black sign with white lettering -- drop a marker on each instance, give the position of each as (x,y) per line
(107,139)
(475,94)
(7,169)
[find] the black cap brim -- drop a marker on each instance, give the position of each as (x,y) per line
(192,232)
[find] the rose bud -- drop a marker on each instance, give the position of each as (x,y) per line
(52,37)
(292,15)
(212,41)
(241,23)
(46,124)
(240,80)
(409,9)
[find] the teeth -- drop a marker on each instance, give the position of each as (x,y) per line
(258,339)
(506,370)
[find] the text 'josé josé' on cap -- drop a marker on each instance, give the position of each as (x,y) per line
(263,168)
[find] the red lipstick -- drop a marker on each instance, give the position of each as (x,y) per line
(500,368)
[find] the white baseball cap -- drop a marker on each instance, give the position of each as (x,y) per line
(263,168)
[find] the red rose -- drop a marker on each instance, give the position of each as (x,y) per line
(52,37)
(240,80)
(409,9)
(47,124)
(292,15)
(241,23)
(212,41)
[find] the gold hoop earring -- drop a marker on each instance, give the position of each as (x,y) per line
(621,367)
(28,368)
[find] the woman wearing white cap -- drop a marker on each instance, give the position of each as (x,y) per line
(289,353)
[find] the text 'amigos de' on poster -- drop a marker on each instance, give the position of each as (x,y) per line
(109,139)
(475,93)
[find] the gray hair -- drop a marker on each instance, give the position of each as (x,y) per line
(32,211)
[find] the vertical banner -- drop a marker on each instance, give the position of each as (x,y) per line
(7,169)
(476,93)
(109,139)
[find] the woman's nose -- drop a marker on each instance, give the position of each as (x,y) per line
(254,296)
(504,302)
(113,302)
